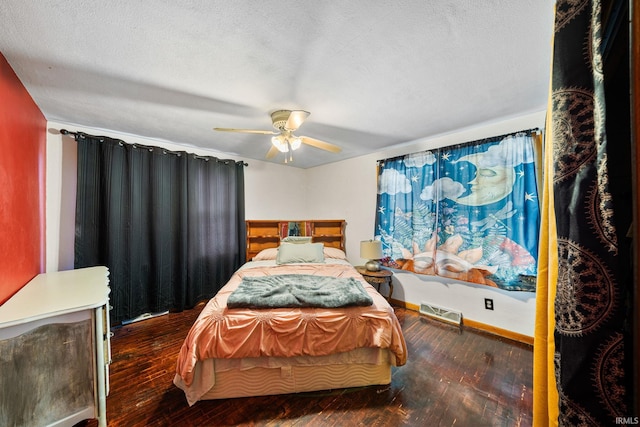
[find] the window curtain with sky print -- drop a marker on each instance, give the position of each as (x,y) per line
(468,212)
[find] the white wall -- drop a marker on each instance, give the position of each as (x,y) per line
(61,199)
(275,191)
(341,190)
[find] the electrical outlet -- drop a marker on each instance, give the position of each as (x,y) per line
(488,303)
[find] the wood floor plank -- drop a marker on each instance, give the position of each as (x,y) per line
(453,377)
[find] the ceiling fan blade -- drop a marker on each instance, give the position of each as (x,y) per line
(263,132)
(320,144)
(296,118)
(272,152)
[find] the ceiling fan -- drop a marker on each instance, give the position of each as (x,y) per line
(286,122)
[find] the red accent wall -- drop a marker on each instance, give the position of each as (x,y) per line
(22,184)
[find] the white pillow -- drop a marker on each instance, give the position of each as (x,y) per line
(289,253)
(334,253)
(266,254)
(297,239)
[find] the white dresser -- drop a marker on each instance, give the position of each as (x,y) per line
(55,350)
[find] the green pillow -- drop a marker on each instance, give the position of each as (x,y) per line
(289,253)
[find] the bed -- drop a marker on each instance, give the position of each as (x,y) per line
(253,351)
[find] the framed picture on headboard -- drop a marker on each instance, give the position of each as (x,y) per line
(295,228)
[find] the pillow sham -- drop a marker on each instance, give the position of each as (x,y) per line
(289,253)
(272,253)
(266,254)
(297,239)
(334,253)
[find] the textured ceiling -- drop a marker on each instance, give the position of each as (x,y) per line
(372,74)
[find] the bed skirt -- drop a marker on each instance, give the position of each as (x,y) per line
(285,379)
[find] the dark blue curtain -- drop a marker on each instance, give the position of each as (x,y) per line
(168,225)
(468,212)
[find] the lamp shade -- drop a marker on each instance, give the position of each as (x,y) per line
(371,249)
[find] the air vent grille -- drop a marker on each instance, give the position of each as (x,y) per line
(441,313)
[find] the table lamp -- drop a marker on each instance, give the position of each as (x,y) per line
(371,250)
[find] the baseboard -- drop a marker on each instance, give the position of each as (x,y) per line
(403,304)
(144,316)
(466,322)
(514,336)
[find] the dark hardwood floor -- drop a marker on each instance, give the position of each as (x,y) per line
(453,377)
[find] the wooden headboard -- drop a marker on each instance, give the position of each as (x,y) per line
(263,234)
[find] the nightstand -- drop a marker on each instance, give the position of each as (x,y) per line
(376,278)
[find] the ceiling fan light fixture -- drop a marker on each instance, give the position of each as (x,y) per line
(295,142)
(280,143)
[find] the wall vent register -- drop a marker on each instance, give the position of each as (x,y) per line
(441,313)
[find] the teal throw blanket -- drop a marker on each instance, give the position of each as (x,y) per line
(298,290)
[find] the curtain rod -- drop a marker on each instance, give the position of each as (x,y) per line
(490,138)
(76,134)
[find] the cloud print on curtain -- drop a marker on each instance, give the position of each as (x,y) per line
(468,212)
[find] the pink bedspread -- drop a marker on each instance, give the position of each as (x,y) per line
(220,332)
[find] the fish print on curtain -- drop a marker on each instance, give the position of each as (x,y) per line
(468,212)
(590,366)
